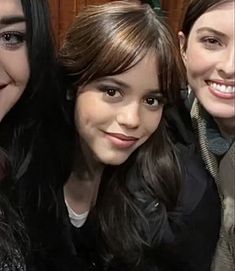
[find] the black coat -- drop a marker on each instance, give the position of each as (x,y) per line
(188,242)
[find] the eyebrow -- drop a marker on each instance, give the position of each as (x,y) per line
(12,20)
(211,30)
(120,83)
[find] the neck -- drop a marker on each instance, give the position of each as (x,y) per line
(226,127)
(85,163)
(81,194)
(82,187)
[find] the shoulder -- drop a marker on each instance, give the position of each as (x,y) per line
(53,241)
(195,221)
(197,184)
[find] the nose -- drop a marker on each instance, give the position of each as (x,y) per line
(129,116)
(226,66)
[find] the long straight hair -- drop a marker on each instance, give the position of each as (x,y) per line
(106,40)
(22,124)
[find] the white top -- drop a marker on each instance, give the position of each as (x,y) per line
(77,220)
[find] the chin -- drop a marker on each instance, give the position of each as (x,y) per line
(113,161)
(222,114)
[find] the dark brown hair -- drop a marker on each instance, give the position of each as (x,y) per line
(106,40)
(194,10)
(109,39)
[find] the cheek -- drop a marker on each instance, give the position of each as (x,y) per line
(18,67)
(197,61)
(81,116)
(88,111)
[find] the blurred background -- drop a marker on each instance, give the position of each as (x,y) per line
(63,12)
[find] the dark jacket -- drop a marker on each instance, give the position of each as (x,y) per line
(189,239)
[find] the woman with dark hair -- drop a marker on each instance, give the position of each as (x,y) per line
(132,200)
(27,78)
(207,49)
(21,117)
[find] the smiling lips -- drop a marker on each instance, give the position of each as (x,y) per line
(222,90)
(121,141)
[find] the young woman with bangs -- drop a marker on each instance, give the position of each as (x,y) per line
(133,198)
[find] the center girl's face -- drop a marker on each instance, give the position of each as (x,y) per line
(114,115)
(14,65)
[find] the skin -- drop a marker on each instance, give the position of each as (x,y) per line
(126,104)
(209,61)
(14,65)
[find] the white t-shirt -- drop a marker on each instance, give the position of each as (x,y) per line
(77,220)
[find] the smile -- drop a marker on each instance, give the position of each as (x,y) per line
(222,90)
(121,141)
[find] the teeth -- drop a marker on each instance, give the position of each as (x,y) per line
(222,88)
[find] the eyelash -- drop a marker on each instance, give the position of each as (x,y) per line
(211,42)
(6,39)
(156,99)
(107,92)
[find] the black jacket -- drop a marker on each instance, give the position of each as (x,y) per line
(190,236)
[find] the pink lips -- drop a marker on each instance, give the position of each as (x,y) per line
(121,141)
(221,95)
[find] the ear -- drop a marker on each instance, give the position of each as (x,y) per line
(182,43)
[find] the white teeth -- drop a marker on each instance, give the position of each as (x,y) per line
(222,88)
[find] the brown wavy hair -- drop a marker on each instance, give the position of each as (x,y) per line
(106,40)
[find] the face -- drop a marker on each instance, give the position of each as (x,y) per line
(209,60)
(116,114)
(14,66)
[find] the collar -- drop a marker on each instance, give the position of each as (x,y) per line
(217,144)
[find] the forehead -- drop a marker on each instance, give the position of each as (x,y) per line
(220,16)
(144,74)
(10,7)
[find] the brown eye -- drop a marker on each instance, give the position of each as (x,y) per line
(7,37)
(151,101)
(111,92)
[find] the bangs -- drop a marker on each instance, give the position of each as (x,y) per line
(120,52)
(107,44)
(107,40)
(121,33)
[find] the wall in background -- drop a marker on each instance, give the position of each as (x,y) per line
(63,12)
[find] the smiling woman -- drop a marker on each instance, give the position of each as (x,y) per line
(14,76)
(25,51)
(207,44)
(208,53)
(130,110)
(14,65)
(131,199)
